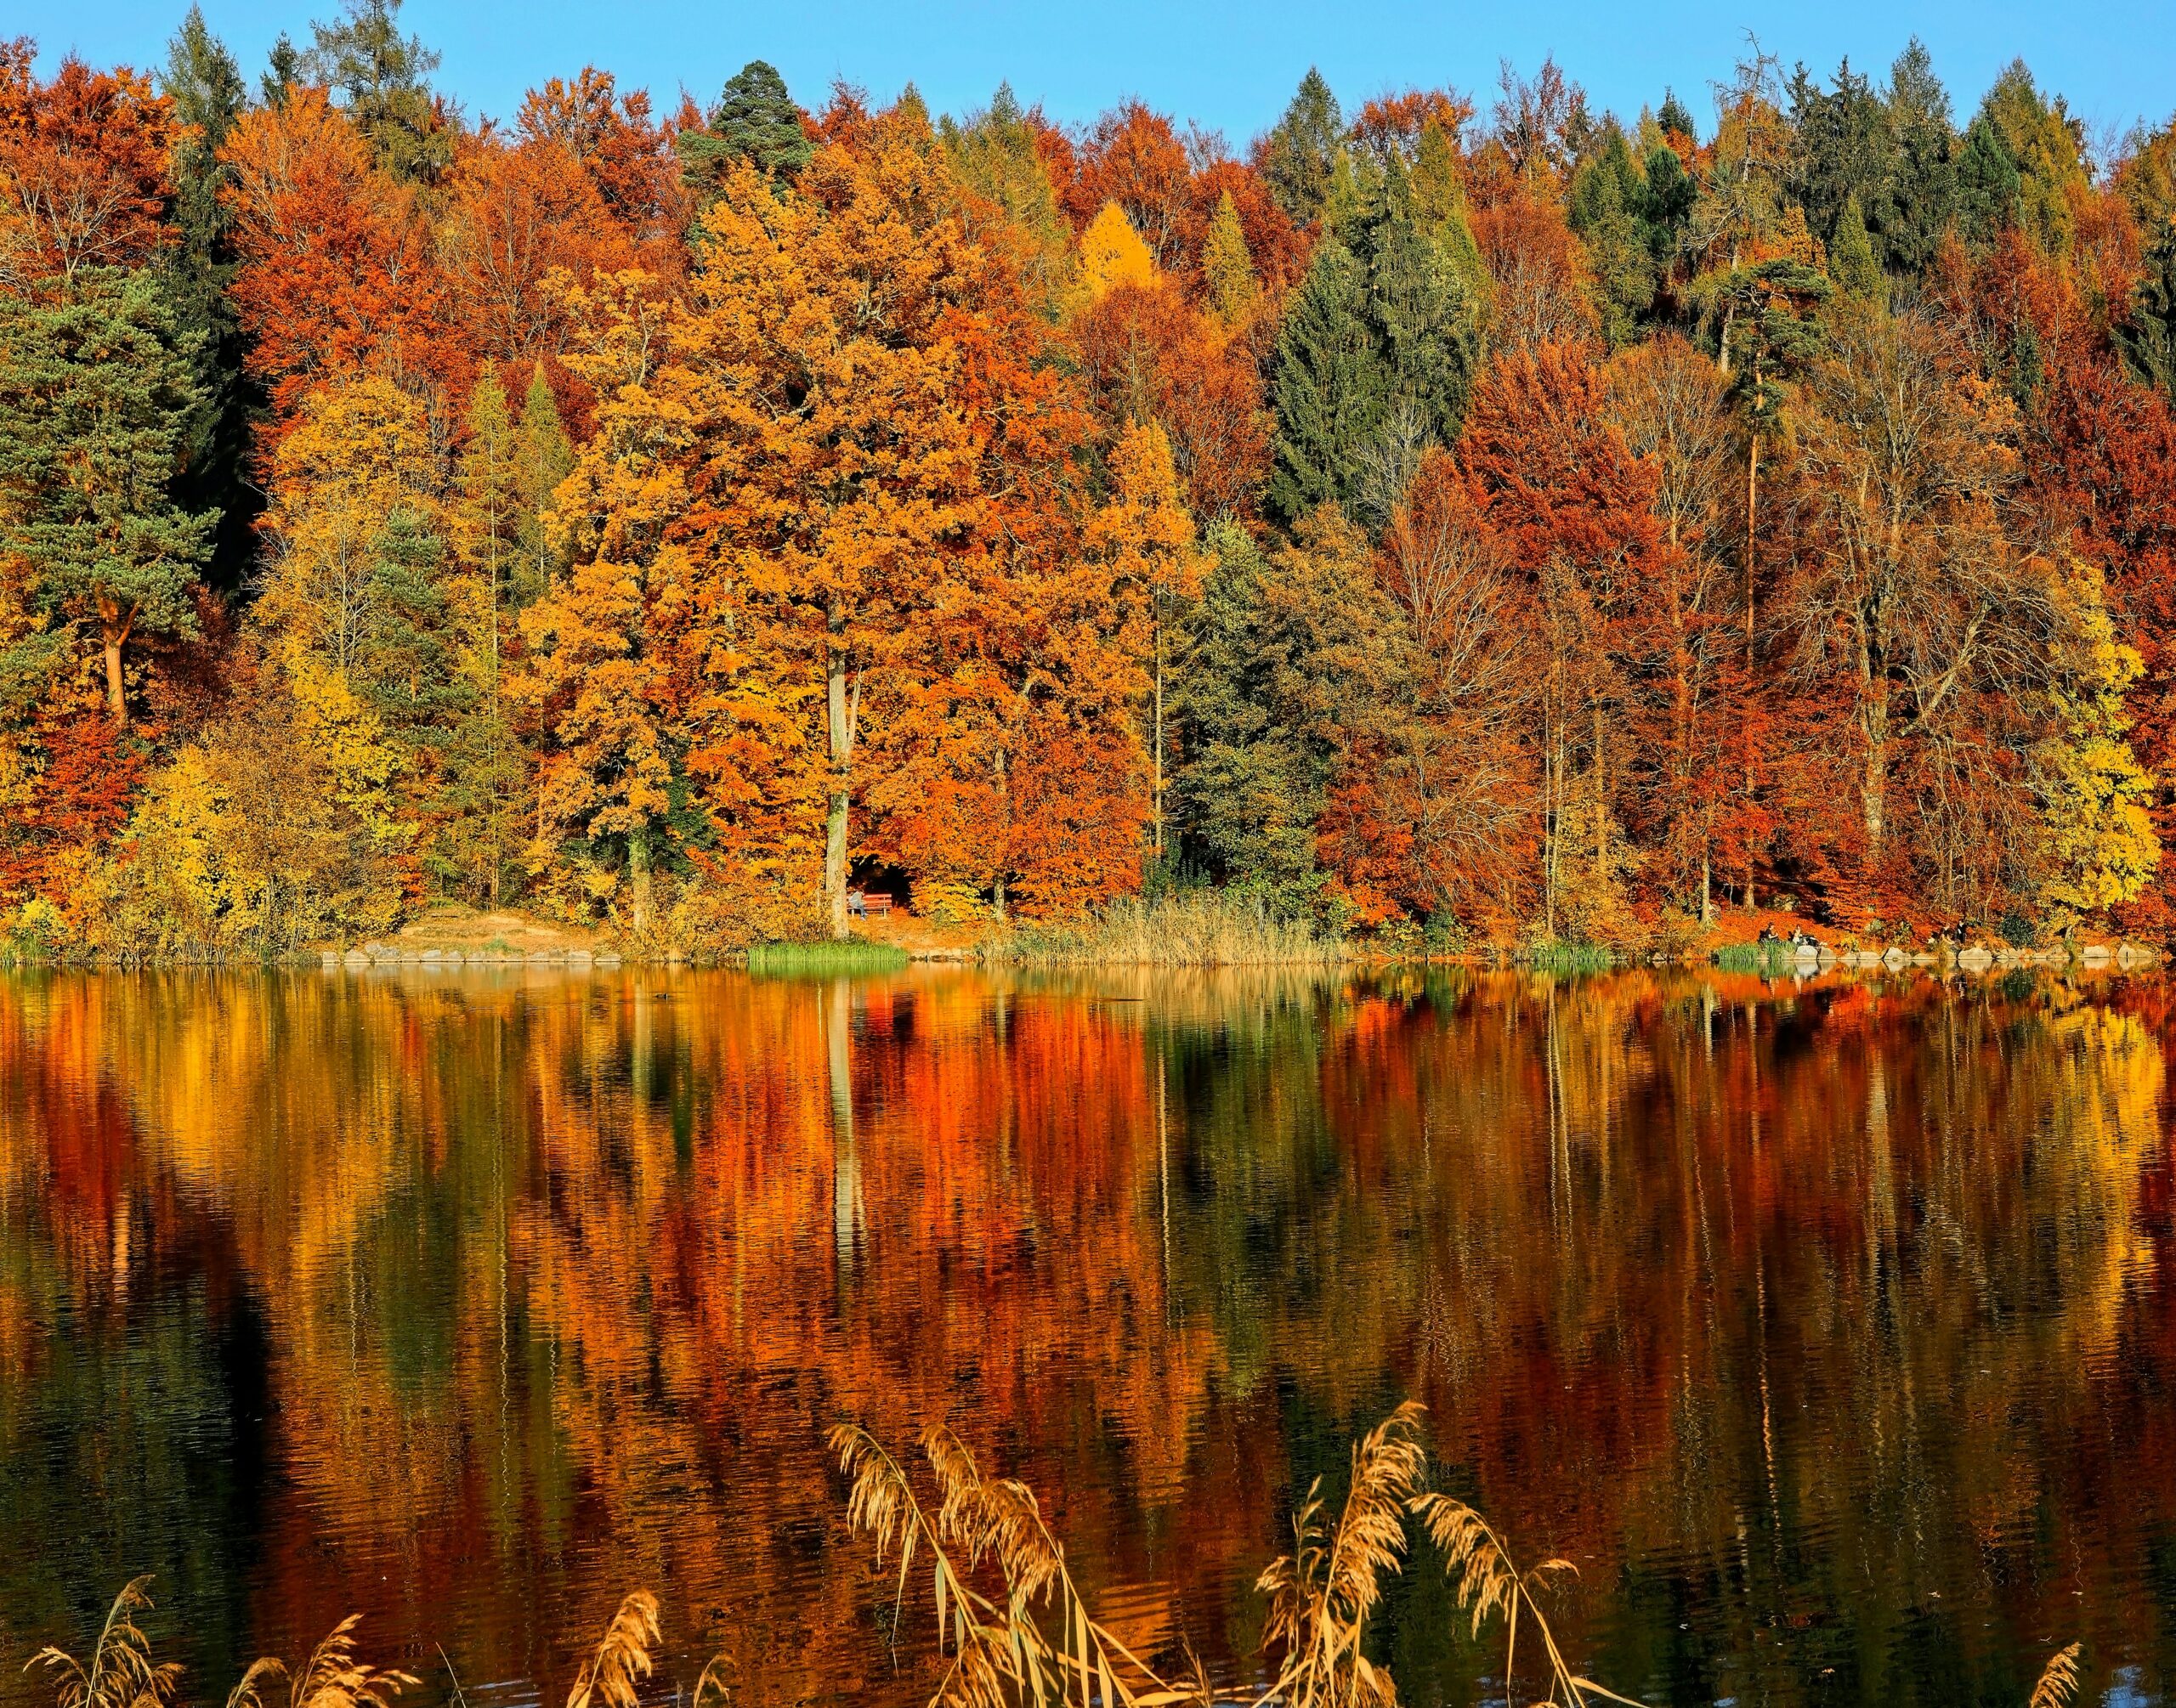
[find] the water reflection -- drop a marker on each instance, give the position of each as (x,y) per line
(1828,1327)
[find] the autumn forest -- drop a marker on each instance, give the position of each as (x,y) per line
(1451,518)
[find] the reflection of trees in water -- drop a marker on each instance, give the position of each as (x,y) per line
(1822,1325)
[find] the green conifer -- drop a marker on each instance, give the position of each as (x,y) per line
(1327,386)
(755,119)
(96,400)
(1301,154)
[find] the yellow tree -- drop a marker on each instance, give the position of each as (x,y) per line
(1145,536)
(837,488)
(600,675)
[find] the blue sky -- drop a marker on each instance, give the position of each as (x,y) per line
(1230,66)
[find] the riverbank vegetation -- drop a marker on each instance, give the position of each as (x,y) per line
(1011,1626)
(1471,514)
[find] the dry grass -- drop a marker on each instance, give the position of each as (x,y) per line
(2057,1679)
(1322,1593)
(120,1673)
(622,1658)
(1206,928)
(1002,1654)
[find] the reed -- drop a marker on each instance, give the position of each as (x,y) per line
(120,1673)
(1198,928)
(621,1660)
(2057,1682)
(829,959)
(1322,1594)
(1034,1642)
(1558,956)
(1753,958)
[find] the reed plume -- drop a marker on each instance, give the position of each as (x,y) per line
(1487,1582)
(120,1673)
(2057,1679)
(622,1657)
(332,1677)
(1322,1594)
(1002,1656)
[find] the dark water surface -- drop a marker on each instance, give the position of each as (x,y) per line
(1829,1328)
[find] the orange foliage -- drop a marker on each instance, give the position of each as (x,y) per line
(83,169)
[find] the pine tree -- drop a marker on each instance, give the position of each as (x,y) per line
(208,95)
(1605,192)
(1426,327)
(754,119)
(1843,147)
(95,403)
(1326,385)
(2147,338)
(544,456)
(1989,188)
(1920,195)
(1852,260)
(1227,269)
(383,79)
(1675,119)
(1299,156)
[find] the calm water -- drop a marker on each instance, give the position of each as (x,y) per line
(1831,1329)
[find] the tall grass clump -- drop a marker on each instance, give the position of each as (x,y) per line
(1193,928)
(1755,958)
(1557,956)
(829,959)
(1322,1595)
(1031,1641)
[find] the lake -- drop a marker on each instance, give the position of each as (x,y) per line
(1828,1327)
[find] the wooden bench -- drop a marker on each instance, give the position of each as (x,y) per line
(865,904)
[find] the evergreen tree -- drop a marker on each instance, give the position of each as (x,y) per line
(754,119)
(1227,270)
(1299,157)
(383,79)
(1843,147)
(1327,385)
(96,401)
(1852,260)
(283,68)
(1290,662)
(1426,327)
(1919,198)
(1675,119)
(2146,339)
(208,95)
(406,669)
(1988,185)
(2048,147)
(1605,192)
(1666,204)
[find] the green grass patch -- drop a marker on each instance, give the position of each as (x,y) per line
(1755,958)
(1569,957)
(825,960)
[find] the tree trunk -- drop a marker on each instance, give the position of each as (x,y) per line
(1874,787)
(1752,500)
(1601,806)
(839,708)
(114,624)
(1160,731)
(638,876)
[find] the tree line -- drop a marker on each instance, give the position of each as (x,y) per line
(1460,520)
